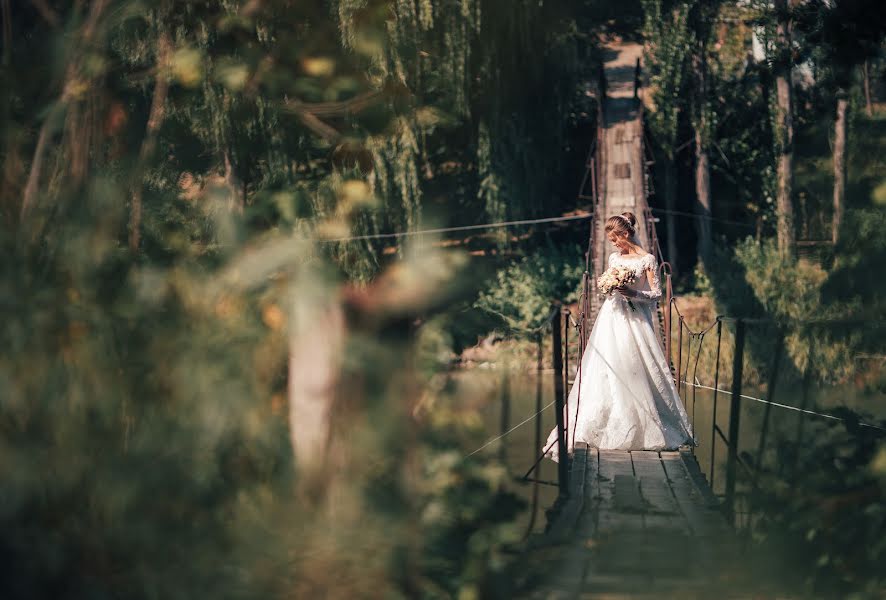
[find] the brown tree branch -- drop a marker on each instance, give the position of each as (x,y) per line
(352,106)
(48,14)
(309,113)
(149,143)
(6,17)
(317,126)
(71,73)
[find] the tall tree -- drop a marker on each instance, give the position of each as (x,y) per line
(846,34)
(702,17)
(665,33)
(784,128)
(840,130)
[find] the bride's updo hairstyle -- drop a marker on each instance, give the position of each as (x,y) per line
(624,225)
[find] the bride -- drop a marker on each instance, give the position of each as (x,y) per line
(628,400)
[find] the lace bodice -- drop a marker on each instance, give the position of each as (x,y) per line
(648,290)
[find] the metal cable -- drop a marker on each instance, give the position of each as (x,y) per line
(681,213)
(379,236)
(787,406)
(495,439)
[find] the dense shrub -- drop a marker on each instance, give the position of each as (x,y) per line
(522,292)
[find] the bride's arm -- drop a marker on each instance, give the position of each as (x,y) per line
(654,291)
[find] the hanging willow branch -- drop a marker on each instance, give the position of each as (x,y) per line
(71,88)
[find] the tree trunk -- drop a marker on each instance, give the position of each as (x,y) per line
(839,164)
(784,132)
(702,162)
(236,190)
(866,78)
(703,196)
(29,196)
(315,346)
(670,194)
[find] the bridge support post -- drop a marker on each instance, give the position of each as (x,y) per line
(734,419)
(505,413)
(668,319)
(563,463)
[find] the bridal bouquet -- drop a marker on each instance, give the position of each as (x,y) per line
(614,277)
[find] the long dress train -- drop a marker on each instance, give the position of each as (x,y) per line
(628,399)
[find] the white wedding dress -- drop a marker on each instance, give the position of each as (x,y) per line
(628,399)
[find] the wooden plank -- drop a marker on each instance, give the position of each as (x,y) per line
(658,497)
(612,463)
(648,455)
(627,494)
(698,479)
(619,510)
(702,516)
(662,518)
(647,465)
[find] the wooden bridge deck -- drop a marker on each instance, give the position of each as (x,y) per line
(637,524)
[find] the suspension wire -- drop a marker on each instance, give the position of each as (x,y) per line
(681,213)
(380,236)
(702,331)
(520,424)
(537,331)
(785,406)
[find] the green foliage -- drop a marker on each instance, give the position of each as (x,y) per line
(667,51)
(852,284)
(522,292)
(145,429)
(829,525)
(790,292)
(142,430)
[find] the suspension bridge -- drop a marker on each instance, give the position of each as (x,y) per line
(625,521)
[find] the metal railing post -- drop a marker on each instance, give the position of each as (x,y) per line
(539,368)
(669,322)
(565,324)
(714,410)
(669,319)
(505,413)
(563,463)
(804,404)
(680,358)
(734,419)
(770,394)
